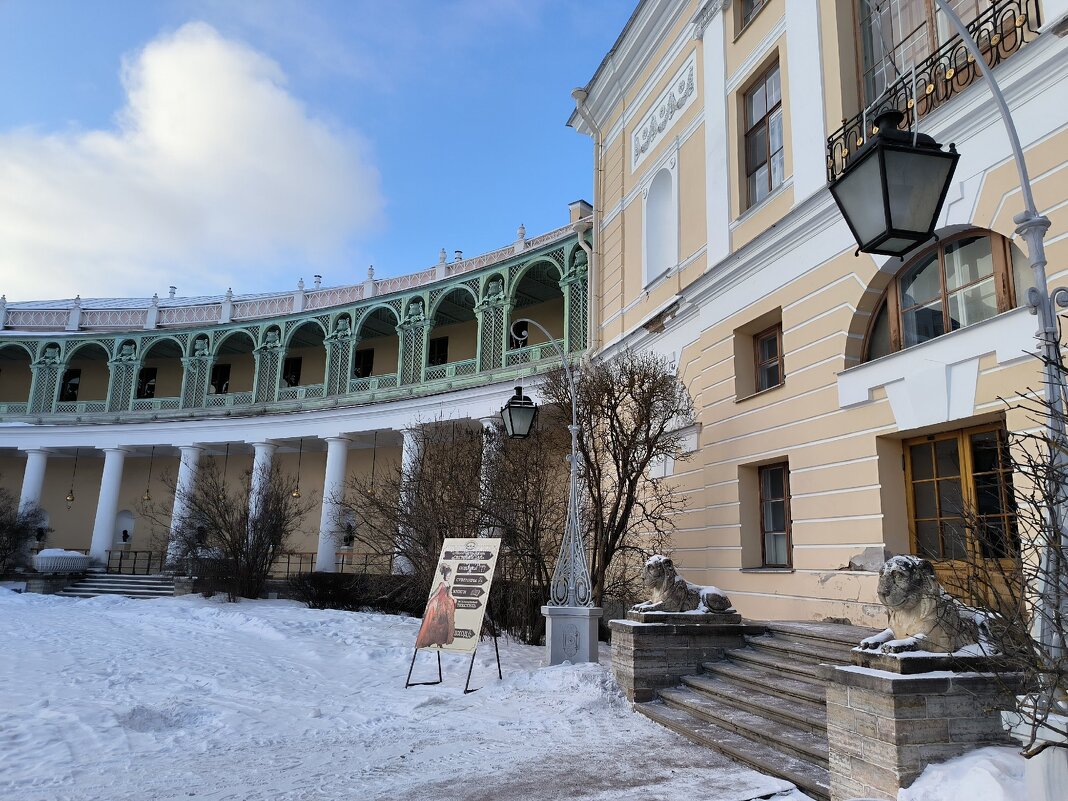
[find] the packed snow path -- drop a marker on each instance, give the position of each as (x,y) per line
(110,699)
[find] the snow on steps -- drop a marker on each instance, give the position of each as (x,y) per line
(120,584)
(765,705)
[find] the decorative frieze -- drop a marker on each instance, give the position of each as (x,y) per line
(680,90)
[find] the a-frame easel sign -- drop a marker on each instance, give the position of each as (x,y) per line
(458,605)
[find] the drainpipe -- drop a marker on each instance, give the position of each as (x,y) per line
(593,260)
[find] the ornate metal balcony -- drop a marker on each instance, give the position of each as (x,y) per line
(1000,31)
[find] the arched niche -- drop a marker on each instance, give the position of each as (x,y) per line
(160,375)
(536,295)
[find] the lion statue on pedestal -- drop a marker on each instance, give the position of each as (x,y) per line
(670,592)
(923,616)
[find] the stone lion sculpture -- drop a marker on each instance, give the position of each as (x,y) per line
(670,592)
(923,616)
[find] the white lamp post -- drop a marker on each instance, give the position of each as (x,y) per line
(570,616)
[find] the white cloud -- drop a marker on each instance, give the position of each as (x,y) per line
(212,168)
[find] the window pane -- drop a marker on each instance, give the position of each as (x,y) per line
(922,324)
(950,501)
(776,169)
(756,106)
(756,144)
(968,260)
(973,305)
(775,131)
(758,185)
(927,542)
(953,540)
(768,376)
(772,482)
(769,347)
(994,542)
(985,451)
(947,458)
(774,89)
(774,516)
(988,494)
(775,549)
(922,458)
(879,341)
(921,283)
(924,495)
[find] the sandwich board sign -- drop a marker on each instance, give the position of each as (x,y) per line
(459,596)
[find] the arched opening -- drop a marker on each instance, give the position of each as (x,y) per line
(965,279)
(536,296)
(304,366)
(453,340)
(123,537)
(83,386)
(234,371)
(661,226)
(15,379)
(374,362)
(159,381)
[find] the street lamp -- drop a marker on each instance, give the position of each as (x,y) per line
(892,189)
(519,415)
(570,616)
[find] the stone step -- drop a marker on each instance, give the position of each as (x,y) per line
(827,635)
(794,688)
(123,583)
(750,723)
(808,776)
(801,651)
(802,713)
(777,666)
(94,594)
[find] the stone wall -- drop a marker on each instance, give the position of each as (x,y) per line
(884,728)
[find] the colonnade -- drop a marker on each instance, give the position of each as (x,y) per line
(190,458)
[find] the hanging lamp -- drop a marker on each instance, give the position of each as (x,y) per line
(300,451)
(74,473)
(147,497)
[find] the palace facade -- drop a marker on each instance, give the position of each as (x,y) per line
(848,406)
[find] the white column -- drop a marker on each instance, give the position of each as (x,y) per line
(337,454)
(188,461)
(808,129)
(261,472)
(33,478)
(107,505)
(411,447)
(717,159)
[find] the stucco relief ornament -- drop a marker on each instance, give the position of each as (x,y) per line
(658,122)
(922,615)
(200,346)
(271,340)
(495,290)
(127,352)
(415,312)
(670,592)
(342,329)
(50,355)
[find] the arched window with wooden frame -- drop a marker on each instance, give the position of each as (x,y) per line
(965,279)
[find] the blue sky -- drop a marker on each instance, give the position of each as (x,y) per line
(249,143)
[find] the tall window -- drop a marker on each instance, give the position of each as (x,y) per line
(957,479)
(750,9)
(775,514)
(962,281)
(895,35)
(763,136)
(767,347)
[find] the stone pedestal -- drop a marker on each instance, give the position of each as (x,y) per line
(651,650)
(885,726)
(571,633)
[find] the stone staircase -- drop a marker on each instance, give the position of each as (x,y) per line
(765,705)
(100,583)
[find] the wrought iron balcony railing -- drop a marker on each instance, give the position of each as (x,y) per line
(1001,30)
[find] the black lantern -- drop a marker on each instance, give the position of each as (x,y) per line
(892,188)
(519,415)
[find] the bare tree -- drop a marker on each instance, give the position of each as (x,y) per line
(233,534)
(630,412)
(18,529)
(406,514)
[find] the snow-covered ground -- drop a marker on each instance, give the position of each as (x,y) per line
(114,699)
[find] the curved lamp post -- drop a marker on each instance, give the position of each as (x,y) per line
(1051,594)
(570,616)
